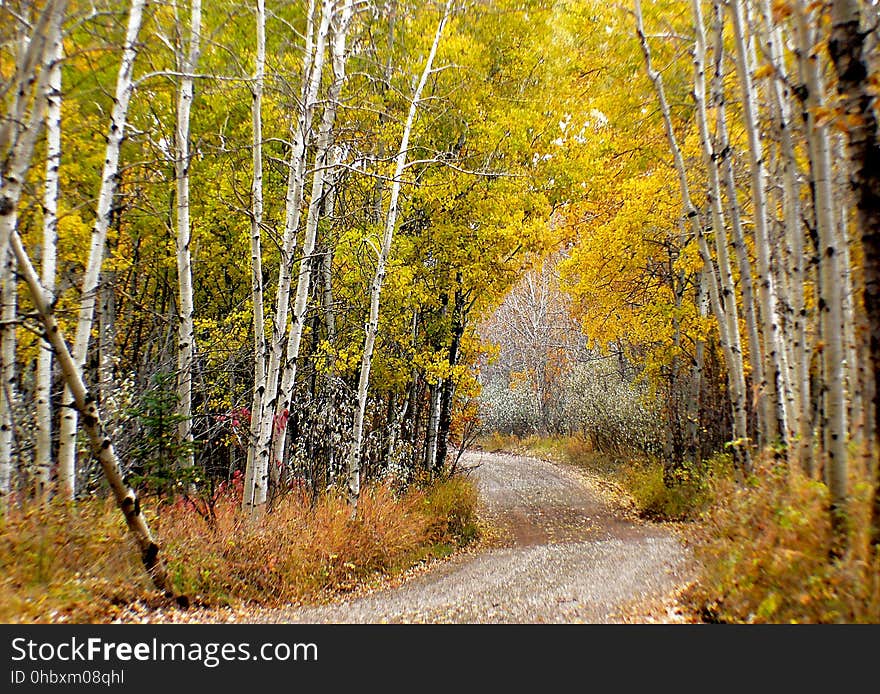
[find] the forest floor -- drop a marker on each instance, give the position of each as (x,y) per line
(564,548)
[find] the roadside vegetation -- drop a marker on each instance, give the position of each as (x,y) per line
(68,562)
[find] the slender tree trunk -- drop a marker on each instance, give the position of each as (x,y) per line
(847,48)
(182,160)
(723,152)
(19,128)
(798,365)
(737,385)
(354,457)
(774,355)
(256,489)
(447,394)
(103,214)
(731,342)
(323,164)
(8,391)
(43,387)
(830,304)
(260,345)
(102,446)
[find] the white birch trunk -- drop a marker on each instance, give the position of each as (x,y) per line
(102,446)
(691,213)
(323,169)
(91,278)
(726,310)
(830,300)
(186,331)
(723,153)
(260,345)
(8,395)
(433,426)
(372,327)
(774,351)
(793,272)
(256,488)
(43,386)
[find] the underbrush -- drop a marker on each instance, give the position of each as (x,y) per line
(765,554)
(76,563)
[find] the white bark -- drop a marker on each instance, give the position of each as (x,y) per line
(8,392)
(256,482)
(433,426)
(372,327)
(91,278)
(323,164)
(260,345)
(793,272)
(43,387)
(23,121)
(186,331)
(725,308)
(723,153)
(774,351)
(830,300)
(102,446)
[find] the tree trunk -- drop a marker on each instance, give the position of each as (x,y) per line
(8,391)
(847,48)
(323,162)
(354,456)
(774,355)
(103,213)
(260,345)
(102,446)
(256,488)
(186,330)
(43,386)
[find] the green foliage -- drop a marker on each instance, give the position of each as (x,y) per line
(157,454)
(666,493)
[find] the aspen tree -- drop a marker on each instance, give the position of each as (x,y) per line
(792,272)
(43,386)
(775,382)
(322,168)
(726,311)
(372,326)
(186,332)
(723,152)
(693,216)
(256,479)
(23,121)
(101,444)
(91,277)
(260,344)
(847,47)
(829,300)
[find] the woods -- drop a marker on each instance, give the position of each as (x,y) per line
(296,250)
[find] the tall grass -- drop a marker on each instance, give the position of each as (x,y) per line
(75,562)
(765,552)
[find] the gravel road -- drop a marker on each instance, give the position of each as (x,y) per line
(569,555)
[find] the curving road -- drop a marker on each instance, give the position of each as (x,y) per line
(570,555)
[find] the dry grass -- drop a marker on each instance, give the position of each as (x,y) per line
(765,552)
(76,563)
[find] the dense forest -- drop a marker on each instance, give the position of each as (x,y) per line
(263,250)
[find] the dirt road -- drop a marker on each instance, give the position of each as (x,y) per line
(570,556)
